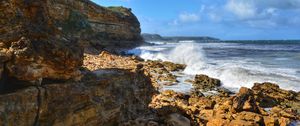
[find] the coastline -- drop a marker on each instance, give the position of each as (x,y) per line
(263,104)
(66,66)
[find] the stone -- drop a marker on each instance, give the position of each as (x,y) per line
(217,122)
(284,121)
(242,123)
(273,92)
(244,101)
(270,121)
(176,119)
(172,66)
(250,117)
(106,99)
(19,108)
(203,82)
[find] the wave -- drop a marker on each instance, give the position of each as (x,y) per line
(232,73)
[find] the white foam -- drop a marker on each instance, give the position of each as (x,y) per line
(233,73)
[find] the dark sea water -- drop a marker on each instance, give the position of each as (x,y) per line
(235,63)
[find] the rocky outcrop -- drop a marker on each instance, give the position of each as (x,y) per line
(205,83)
(44,39)
(105,97)
(239,109)
(32,46)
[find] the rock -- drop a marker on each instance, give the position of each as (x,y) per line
(205,83)
(176,119)
(19,108)
(35,47)
(250,117)
(242,123)
(284,121)
(1,70)
(106,99)
(244,101)
(152,123)
(285,112)
(172,66)
(32,60)
(271,121)
(44,38)
(272,93)
(217,122)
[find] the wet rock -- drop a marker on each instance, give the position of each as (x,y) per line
(173,66)
(285,112)
(273,91)
(270,95)
(205,83)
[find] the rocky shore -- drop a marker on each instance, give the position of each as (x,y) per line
(58,66)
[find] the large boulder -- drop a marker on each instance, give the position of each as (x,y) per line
(270,95)
(205,83)
(244,101)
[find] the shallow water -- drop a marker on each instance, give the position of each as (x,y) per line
(236,64)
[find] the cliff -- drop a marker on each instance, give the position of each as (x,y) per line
(45,38)
(78,20)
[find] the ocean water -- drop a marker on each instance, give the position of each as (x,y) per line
(236,63)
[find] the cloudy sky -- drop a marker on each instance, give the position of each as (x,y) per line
(225,19)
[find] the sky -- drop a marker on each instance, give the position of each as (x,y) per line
(223,19)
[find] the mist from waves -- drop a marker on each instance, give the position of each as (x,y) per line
(232,71)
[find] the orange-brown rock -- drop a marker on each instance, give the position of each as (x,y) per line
(205,83)
(44,38)
(270,95)
(108,97)
(244,101)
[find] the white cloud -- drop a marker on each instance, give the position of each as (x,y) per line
(215,17)
(188,17)
(242,8)
(185,17)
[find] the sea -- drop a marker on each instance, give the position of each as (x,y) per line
(236,63)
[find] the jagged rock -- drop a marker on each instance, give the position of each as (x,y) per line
(19,108)
(176,119)
(244,101)
(271,121)
(217,122)
(33,60)
(205,83)
(270,95)
(43,38)
(34,46)
(285,112)
(109,98)
(250,117)
(173,66)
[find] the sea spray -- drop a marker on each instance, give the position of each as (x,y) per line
(234,72)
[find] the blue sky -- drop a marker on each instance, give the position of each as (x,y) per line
(224,19)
